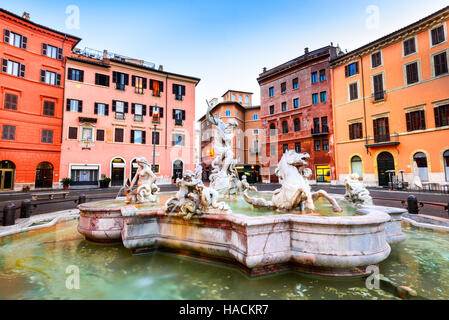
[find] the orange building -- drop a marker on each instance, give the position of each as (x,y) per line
(391,105)
(31,96)
(237,105)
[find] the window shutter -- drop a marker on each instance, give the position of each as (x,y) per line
(434,36)
(68,105)
(161,86)
(174,113)
(144,133)
(144,83)
(60,54)
(132,136)
(375,127)
(360,130)
(408,121)
(69,74)
(347,71)
(113,105)
(58,79)
(174,88)
(80,106)
(126,107)
(161,112)
(133,108)
(97,78)
(151,111)
(144,110)
(183,90)
(114,77)
(44,49)
(351,129)
(24,42)
(6,35)
(387,128)
(133,81)
(96,108)
(81,75)
(436,111)
(22,70)
(422,119)
(357,67)
(42,75)
(4,65)
(183,114)
(126,79)
(151,84)
(106,109)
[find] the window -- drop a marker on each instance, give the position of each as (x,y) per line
(255,116)
(322,75)
(323,96)
(178,139)
(381,130)
(120,108)
(355,131)
(283,87)
(256,146)
(297,147)
(228,113)
(155,137)
(421,162)
(138,137)
(51,51)
(317,145)
(102,79)
(378,87)
(273,150)
(179,91)
(409,46)
(138,110)
(13,68)
(15,39)
(179,116)
(284,127)
(255,132)
(316,125)
(415,120)
(73,133)
(272,129)
(353,91)
(440,64)
(314,77)
(295,84)
(8,132)
(284,148)
(157,87)
(158,110)
(271,109)
(315,98)
(284,106)
(155,168)
(297,124)
(438,35)
(75,75)
(412,73)
(240,99)
(47,136)
(324,127)
(119,133)
(233,97)
(296,103)
(74,105)
(120,79)
(49,108)
(100,135)
(351,69)
(238,114)
(11,101)
(325,145)
(271,92)
(356,166)
(87,134)
(246,99)
(101,109)
(139,84)
(376,59)
(50,77)
(441,116)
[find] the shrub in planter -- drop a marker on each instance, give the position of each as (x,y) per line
(26,188)
(104,183)
(66,182)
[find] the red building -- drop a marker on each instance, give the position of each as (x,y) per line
(296,113)
(31,98)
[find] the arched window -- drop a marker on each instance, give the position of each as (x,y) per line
(421,162)
(297,124)
(272,129)
(446,164)
(255,116)
(44,175)
(356,166)
(228,113)
(284,127)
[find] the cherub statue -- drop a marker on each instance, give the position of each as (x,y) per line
(146,184)
(246,186)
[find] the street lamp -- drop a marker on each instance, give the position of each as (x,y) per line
(155,122)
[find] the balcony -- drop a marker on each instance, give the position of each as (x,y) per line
(379,96)
(317,131)
(384,140)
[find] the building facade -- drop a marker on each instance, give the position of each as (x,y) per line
(234,105)
(31,99)
(111,103)
(296,113)
(391,105)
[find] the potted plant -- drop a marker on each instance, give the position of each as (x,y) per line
(104,183)
(66,182)
(26,188)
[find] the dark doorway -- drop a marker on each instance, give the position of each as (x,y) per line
(177,169)
(7,170)
(44,175)
(118,172)
(385,162)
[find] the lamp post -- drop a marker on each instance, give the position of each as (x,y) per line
(155,122)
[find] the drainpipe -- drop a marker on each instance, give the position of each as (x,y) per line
(64,65)
(166,112)
(364,105)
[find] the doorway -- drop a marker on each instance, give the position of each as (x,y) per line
(117,172)
(44,175)
(7,170)
(446,164)
(385,162)
(178,166)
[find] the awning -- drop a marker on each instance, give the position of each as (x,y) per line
(86,167)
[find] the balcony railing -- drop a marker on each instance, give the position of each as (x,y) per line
(381,138)
(384,140)
(319,131)
(379,96)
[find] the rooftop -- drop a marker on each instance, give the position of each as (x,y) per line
(237,91)
(228,103)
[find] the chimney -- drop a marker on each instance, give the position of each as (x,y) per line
(332,44)
(306,51)
(264,69)
(161,68)
(26,15)
(105,54)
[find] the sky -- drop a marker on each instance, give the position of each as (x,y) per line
(224,43)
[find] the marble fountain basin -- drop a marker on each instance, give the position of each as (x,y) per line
(338,246)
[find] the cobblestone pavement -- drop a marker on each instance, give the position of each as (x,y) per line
(380,196)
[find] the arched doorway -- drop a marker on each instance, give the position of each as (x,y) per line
(356,166)
(117,172)
(44,175)
(385,162)
(7,173)
(178,166)
(421,161)
(446,164)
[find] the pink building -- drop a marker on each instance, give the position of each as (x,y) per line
(108,119)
